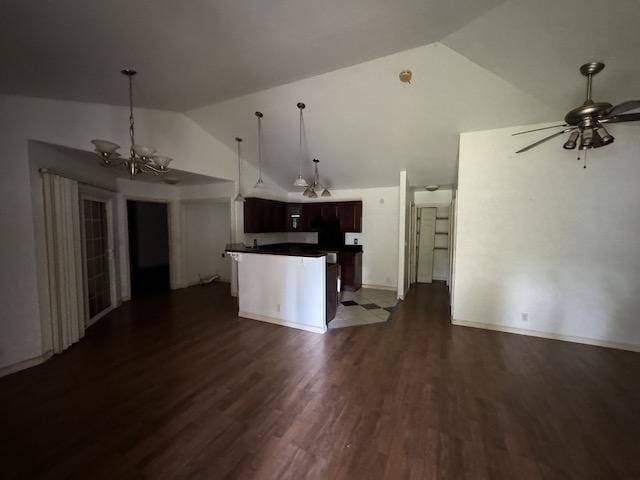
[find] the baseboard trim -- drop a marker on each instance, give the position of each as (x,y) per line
(277,321)
(380,287)
(550,335)
(23,365)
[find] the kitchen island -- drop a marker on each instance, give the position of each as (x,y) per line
(287,284)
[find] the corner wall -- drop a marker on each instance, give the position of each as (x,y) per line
(538,234)
(71,124)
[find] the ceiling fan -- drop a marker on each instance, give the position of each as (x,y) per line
(586,122)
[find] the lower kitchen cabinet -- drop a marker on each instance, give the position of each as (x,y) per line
(350,270)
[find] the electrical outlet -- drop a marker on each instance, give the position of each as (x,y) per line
(524,316)
(278,308)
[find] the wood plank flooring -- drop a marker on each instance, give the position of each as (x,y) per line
(178,387)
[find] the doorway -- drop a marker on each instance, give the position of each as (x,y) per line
(148,226)
(430,232)
(425,243)
(98,257)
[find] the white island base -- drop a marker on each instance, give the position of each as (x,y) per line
(283,289)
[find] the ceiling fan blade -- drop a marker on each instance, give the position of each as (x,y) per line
(545,139)
(538,129)
(624,107)
(629,117)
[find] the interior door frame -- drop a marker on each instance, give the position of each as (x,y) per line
(96,195)
(413,243)
(173,210)
(183,205)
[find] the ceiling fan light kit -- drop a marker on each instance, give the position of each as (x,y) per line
(585,123)
(142,158)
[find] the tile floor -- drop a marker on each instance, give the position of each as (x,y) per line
(364,307)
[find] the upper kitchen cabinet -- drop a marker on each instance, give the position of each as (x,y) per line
(350,216)
(262,216)
(311,216)
(253,215)
(329,210)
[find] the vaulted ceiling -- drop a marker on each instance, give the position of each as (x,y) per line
(364,125)
(195,52)
(477,64)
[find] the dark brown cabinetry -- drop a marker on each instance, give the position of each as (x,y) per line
(262,216)
(332,291)
(350,270)
(350,215)
(311,216)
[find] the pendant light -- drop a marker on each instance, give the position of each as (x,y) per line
(239,197)
(260,182)
(310,191)
(300,180)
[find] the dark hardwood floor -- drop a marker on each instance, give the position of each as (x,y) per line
(178,387)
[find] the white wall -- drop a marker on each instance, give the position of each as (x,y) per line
(283,289)
(379,236)
(404,230)
(70,124)
(537,233)
(206,231)
(421,196)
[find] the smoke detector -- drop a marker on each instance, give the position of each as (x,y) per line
(405,76)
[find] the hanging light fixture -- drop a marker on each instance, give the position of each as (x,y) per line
(260,182)
(239,197)
(312,190)
(142,158)
(300,180)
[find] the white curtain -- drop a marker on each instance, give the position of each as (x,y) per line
(64,257)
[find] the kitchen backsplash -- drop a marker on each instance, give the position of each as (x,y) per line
(350,238)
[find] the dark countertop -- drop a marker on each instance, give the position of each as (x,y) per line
(291,249)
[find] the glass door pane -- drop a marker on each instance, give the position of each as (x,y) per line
(97,256)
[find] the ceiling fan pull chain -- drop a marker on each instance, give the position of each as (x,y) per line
(585,159)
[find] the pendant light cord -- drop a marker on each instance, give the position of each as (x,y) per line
(300,145)
(259,147)
(238,141)
(131,120)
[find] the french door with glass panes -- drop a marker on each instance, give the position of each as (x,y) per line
(97,247)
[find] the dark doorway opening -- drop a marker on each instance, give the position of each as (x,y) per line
(148,247)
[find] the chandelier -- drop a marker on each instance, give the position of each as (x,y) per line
(311,190)
(142,158)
